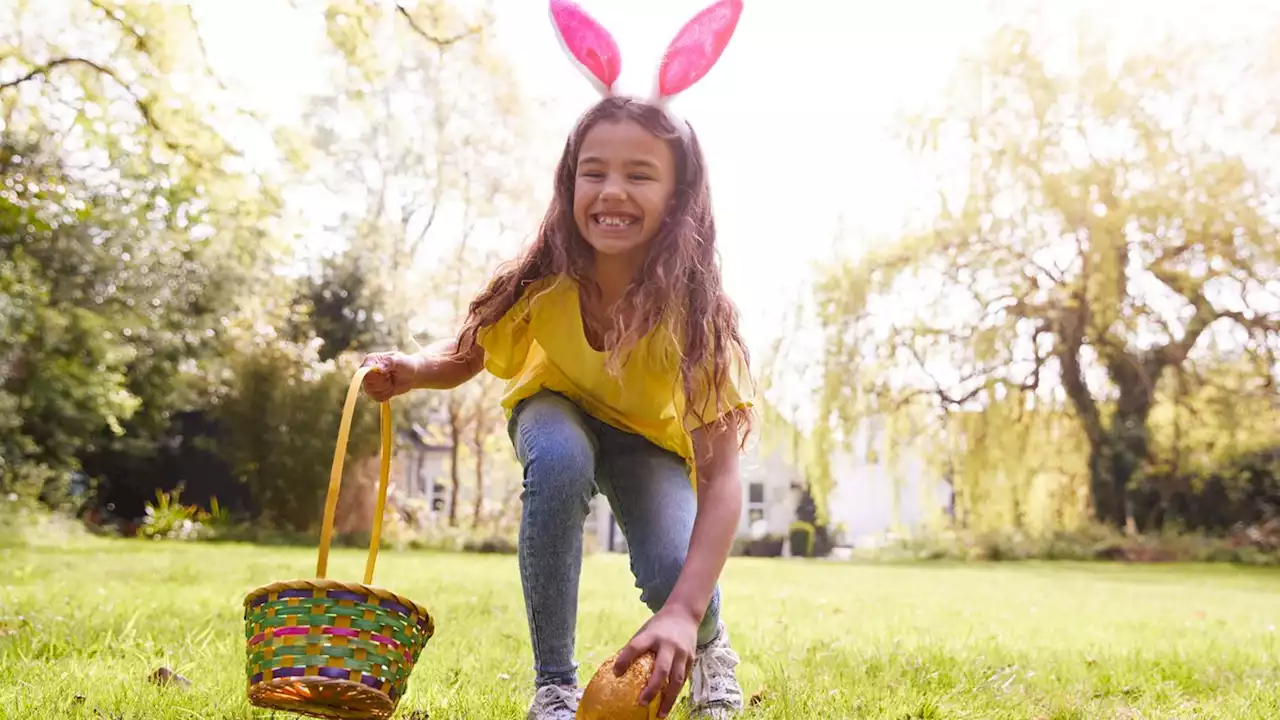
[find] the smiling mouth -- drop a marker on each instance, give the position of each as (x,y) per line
(614,221)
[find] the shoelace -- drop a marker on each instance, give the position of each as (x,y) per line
(554,697)
(714,664)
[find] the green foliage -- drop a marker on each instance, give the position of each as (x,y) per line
(169,519)
(1246,545)
(65,362)
(1094,232)
(425,127)
(128,234)
(28,524)
(1017,464)
(343,307)
(1209,417)
(280,417)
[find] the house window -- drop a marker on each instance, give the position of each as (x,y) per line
(438,497)
(755,502)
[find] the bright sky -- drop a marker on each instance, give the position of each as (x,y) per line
(795,119)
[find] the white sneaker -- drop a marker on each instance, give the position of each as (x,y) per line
(555,702)
(714,692)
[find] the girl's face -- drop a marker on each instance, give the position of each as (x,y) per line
(625,179)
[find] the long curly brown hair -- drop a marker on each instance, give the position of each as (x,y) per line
(679,283)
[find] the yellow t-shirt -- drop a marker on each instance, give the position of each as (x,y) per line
(540,345)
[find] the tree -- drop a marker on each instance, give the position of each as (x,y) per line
(128,232)
(425,144)
(1105,220)
(344,307)
(1215,452)
(279,419)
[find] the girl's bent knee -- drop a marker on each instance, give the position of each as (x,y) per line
(557,450)
(656,575)
(560,466)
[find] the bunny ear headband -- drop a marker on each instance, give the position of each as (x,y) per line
(688,58)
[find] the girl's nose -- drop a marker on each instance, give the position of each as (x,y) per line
(614,189)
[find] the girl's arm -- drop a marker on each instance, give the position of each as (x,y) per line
(435,367)
(439,367)
(716,522)
(671,634)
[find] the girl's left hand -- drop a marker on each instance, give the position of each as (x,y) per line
(672,636)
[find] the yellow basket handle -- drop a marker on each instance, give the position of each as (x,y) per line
(335,479)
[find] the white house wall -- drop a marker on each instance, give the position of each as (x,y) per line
(863,497)
(780,499)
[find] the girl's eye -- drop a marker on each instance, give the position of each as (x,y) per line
(641,178)
(594,174)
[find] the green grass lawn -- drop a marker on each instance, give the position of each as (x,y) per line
(82,626)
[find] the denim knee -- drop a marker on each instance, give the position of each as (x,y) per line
(557,451)
(656,578)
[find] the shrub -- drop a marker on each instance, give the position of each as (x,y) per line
(281,416)
(1246,545)
(169,519)
(767,546)
(27,523)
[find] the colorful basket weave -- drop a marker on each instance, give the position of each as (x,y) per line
(333,649)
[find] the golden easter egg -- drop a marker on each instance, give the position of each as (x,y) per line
(614,698)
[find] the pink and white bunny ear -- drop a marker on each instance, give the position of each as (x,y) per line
(591,48)
(697,47)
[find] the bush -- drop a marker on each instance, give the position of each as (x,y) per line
(767,546)
(440,536)
(169,519)
(1246,545)
(280,420)
(26,523)
(491,544)
(396,535)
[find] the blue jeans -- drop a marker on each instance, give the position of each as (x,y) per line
(567,457)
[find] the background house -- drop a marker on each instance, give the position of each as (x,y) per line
(422,476)
(771,490)
(872,498)
(420,472)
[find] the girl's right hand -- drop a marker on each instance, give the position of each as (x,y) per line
(394,373)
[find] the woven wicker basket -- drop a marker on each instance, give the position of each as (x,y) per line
(332,649)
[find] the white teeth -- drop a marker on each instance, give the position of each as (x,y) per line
(613,220)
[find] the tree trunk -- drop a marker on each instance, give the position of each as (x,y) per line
(455,441)
(1118,448)
(479,442)
(1107,508)
(1115,460)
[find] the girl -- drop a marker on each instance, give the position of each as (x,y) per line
(626,375)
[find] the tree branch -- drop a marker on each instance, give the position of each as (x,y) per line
(142,106)
(139,40)
(1175,352)
(1030,384)
(1266,322)
(1070,332)
(41,70)
(434,40)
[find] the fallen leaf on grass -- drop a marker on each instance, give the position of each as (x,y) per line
(165,676)
(758,697)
